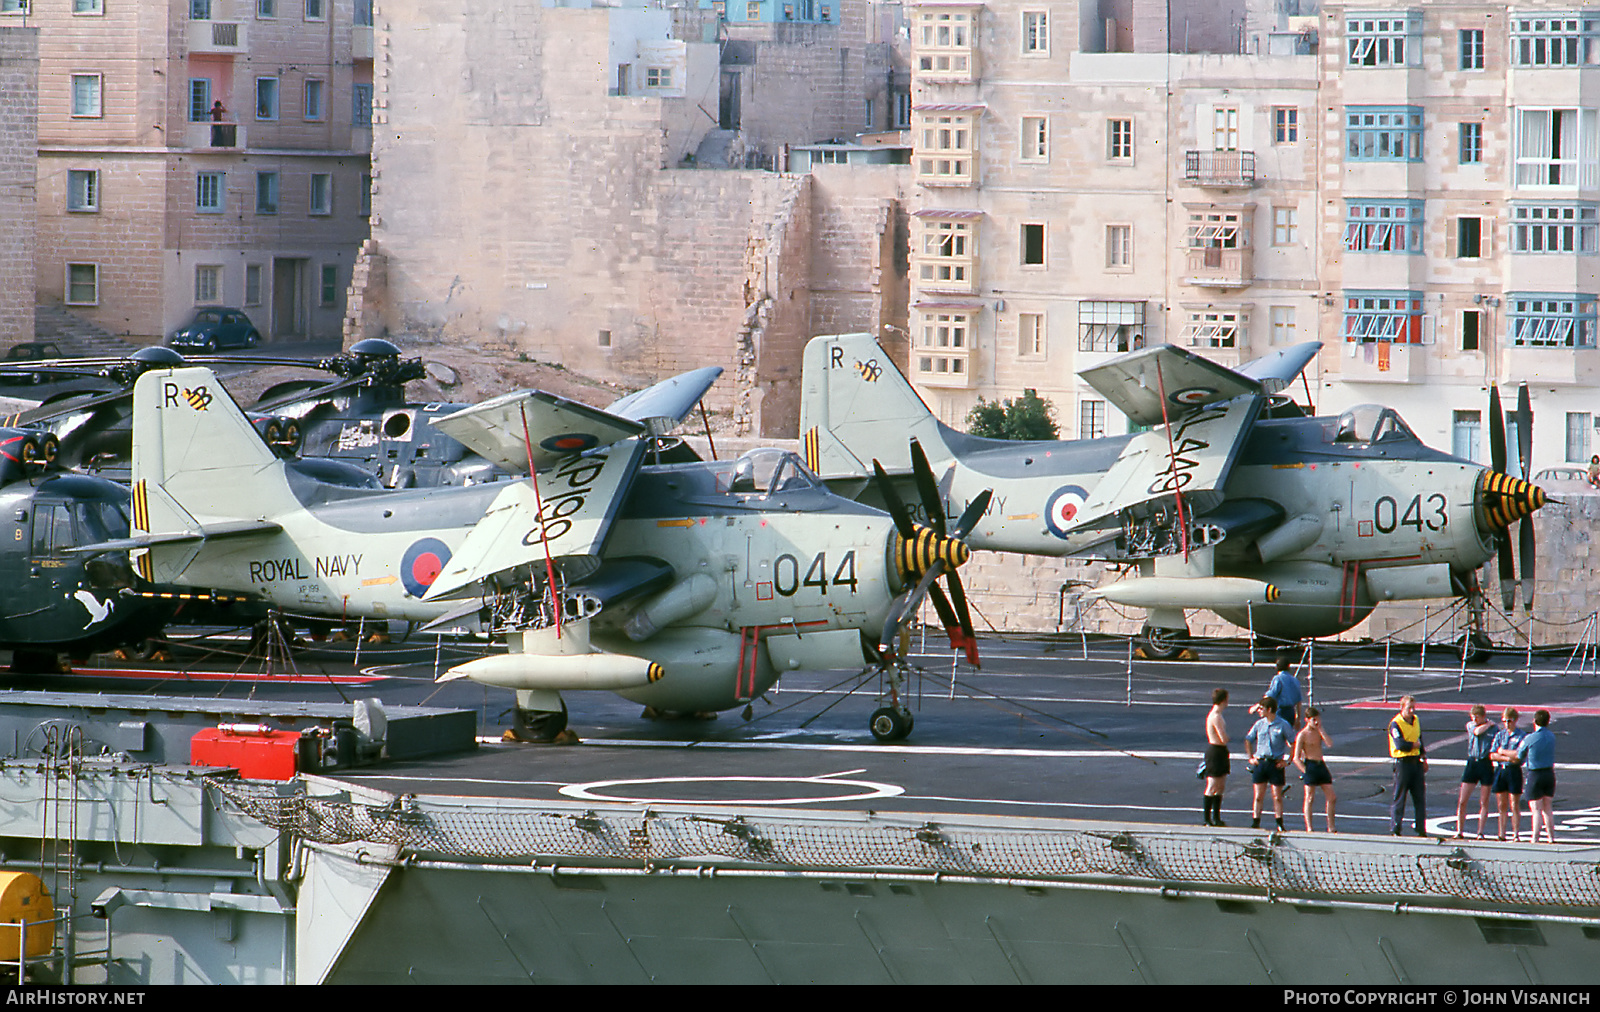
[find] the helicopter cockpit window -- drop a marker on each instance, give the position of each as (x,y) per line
(100,521)
(1372,423)
(764,472)
(52,529)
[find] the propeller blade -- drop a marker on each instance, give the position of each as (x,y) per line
(905,605)
(927,488)
(1525,432)
(969,637)
(1497,432)
(1508,576)
(891,501)
(973,513)
(1526,561)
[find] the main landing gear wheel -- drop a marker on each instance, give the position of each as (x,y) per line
(1474,647)
(541,726)
(890,724)
(1160,643)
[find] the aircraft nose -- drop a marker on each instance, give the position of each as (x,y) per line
(1505,500)
(916,555)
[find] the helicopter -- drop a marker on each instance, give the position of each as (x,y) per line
(687,587)
(1232,500)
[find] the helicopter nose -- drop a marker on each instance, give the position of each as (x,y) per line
(914,556)
(1505,500)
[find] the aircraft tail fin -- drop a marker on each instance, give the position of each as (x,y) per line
(199,467)
(856,407)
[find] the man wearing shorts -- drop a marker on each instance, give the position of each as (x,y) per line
(1507,771)
(1268,743)
(1216,758)
(1479,771)
(1538,755)
(1313,769)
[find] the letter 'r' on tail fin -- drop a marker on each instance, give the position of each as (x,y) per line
(194,444)
(856,407)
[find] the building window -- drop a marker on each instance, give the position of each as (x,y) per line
(1540,320)
(363,14)
(658,77)
(1554,228)
(199,10)
(314,11)
(1557,147)
(1035,32)
(208,191)
(1110,326)
(944,43)
(1282,319)
(1119,247)
(321,193)
(1035,139)
(942,346)
(1371,317)
(252,284)
(752,11)
(1215,328)
(902,110)
(14,7)
(1561,41)
(314,93)
(944,258)
(328,291)
(1119,140)
(1579,425)
(266,193)
(266,8)
(83,284)
(88,7)
(207,285)
(1469,238)
(1225,128)
(827,14)
(85,96)
(1383,226)
(1466,434)
(1030,335)
(361,105)
(1215,230)
(1471,329)
(1091,418)
(1471,151)
(1285,226)
(1471,48)
(366,195)
(1285,125)
(199,99)
(83,189)
(1032,245)
(1383,41)
(1383,133)
(788,12)
(266,98)
(946,149)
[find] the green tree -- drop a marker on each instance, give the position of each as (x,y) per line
(1027,417)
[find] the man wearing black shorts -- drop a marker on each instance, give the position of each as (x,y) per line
(1268,743)
(1216,768)
(1479,771)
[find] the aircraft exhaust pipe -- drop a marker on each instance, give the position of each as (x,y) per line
(1187,592)
(558,672)
(683,599)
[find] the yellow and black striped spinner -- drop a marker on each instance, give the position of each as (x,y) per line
(1273,593)
(655,672)
(1505,500)
(915,556)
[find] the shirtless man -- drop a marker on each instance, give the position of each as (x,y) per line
(1313,770)
(1216,758)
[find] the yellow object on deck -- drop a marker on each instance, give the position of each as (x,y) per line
(23,898)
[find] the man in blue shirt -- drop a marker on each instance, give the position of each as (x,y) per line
(1284,690)
(1267,744)
(1507,773)
(1537,754)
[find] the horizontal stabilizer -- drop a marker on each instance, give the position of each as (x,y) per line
(580,500)
(510,429)
(1136,382)
(664,406)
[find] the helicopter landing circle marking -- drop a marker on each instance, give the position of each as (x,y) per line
(1062,507)
(853,790)
(422,564)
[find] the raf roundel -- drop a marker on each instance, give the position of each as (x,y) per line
(422,564)
(1193,396)
(569,442)
(1061,511)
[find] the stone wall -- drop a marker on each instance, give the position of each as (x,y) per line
(19,141)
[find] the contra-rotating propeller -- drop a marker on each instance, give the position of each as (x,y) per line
(1508,500)
(922,554)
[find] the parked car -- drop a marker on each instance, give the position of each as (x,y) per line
(25,353)
(215,329)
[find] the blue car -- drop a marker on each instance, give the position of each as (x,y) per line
(215,329)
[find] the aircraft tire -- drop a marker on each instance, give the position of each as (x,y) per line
(1160,643)
(889,724)
(540,725)
(1473,647)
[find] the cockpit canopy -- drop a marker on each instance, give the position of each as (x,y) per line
(1365,424)
(765,471)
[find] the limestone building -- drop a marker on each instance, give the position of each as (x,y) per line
(201,152)
(19,113)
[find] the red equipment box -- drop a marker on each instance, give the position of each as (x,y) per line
(258,753)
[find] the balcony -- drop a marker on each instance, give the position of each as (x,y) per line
(229,38)
(1552,366)
(361,42)
(1223,169)
(1386,362)
(942,367)
(1211,267)
(218,136)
